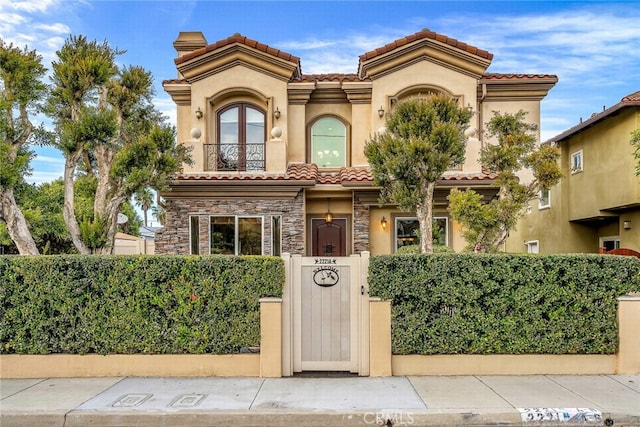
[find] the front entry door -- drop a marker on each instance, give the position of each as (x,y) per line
(328,239)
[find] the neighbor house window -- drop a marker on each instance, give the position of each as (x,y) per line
(533,247)
(610,243)
(407,231)
(235,235)
(329,143)
(240,144)
(576,162)
(194,234)
(544,199)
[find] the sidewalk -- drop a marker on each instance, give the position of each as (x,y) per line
(324,401)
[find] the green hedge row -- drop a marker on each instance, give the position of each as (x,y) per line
(503,304)
(134,304)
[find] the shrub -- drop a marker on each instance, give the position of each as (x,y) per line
(503,304)
(134,304)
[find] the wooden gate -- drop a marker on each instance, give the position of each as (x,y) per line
(329,314)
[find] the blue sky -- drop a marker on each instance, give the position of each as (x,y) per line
(593,47)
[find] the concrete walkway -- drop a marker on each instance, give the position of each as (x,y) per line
(323,401)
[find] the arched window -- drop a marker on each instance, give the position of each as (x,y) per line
(240,138)
(329,143)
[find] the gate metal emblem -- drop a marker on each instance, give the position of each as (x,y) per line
(326,276)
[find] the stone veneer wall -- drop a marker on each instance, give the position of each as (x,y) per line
(361,221)
(173,238)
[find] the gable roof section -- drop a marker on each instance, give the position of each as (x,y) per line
(632,100)
(425,45)
(225,53)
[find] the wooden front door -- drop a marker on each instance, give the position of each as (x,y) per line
(329,239)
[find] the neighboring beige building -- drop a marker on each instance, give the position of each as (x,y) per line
(276,150)
(596,204)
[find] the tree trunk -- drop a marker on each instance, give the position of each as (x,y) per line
(111,215)
(68,212)
(17,226)
(425,218)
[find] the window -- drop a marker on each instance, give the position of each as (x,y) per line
(576,162)
(232,235)
(240,139)
(194,235)
(533,247)
(276,235)
(407,231)
(610,243)
(544,199)
(329,143)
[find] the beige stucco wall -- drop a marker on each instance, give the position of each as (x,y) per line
(607,181)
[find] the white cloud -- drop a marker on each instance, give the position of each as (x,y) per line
(57,27)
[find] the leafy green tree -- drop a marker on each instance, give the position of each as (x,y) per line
(635,143)
(144,199)
(487,225)
(109,130)
(21,91)
(424,137)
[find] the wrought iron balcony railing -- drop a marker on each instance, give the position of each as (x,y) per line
(234,157)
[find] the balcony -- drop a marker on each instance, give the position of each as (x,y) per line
(234,157)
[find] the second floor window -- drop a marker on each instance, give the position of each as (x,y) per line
(576,162)
(240,139)
(329,143)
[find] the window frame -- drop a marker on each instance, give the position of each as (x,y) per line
(236,232)
(194,244)
(241,135)
(541,203)
(531,244)
(572,166)
(347,140)
(413,217)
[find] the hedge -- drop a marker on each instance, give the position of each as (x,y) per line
(503,304)
(134,304)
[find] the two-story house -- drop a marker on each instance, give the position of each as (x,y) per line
(279,161)
(596,205)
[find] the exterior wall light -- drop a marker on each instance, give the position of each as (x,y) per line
(328,217)
(199,113)
(383,223)
(276,113)
(627,225)
(381,112)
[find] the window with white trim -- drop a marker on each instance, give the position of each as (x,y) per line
(276,235)
(533,246)
(329,143)
(235,235)
(544,199)
(576,162)
(194,235)
(407,231)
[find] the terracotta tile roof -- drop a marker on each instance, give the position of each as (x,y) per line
(634,97)
(500,76)
(175,81)
(332,77)
(426,34)
(238,38)
(309,173)
(631,100)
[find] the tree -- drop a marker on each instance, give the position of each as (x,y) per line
(21,91)
(486,225)
(107,124)
(144,199)
(635,143)
(424,137)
